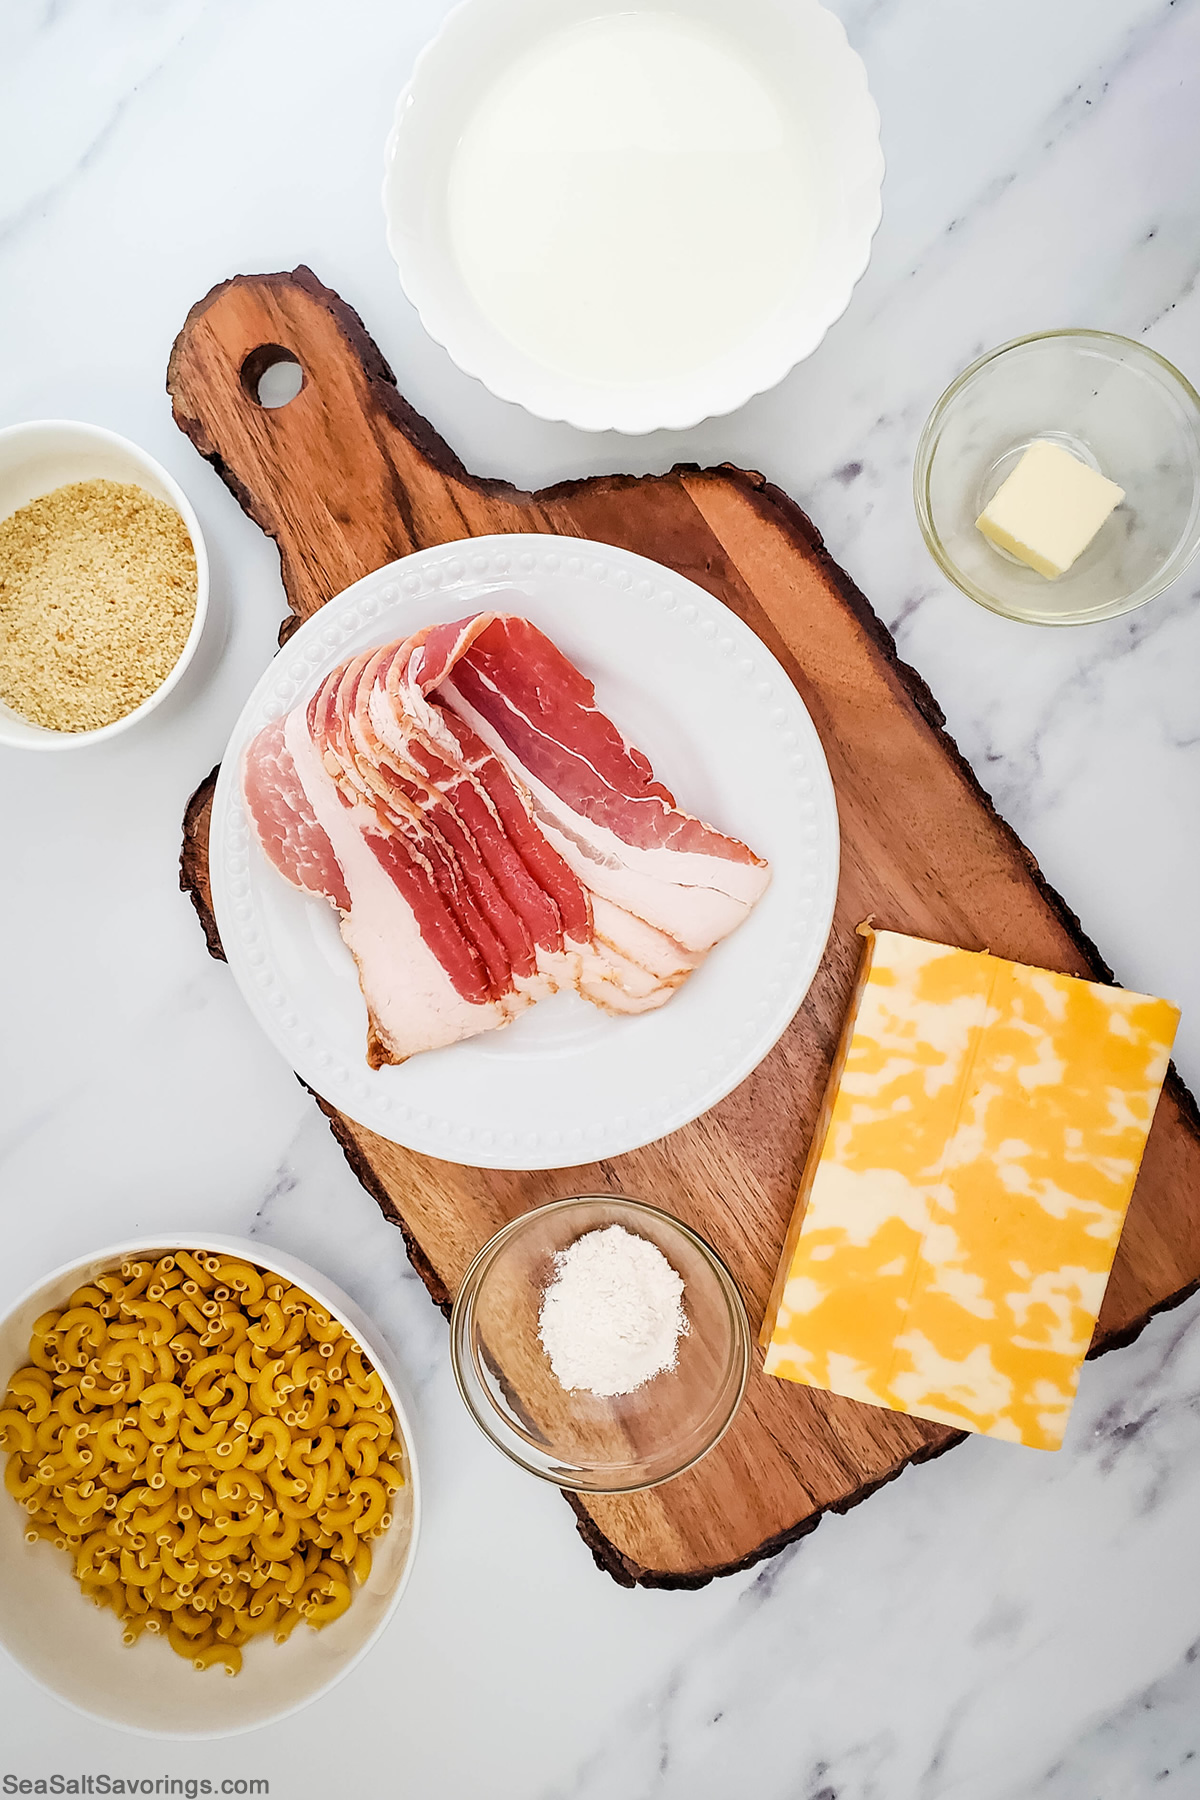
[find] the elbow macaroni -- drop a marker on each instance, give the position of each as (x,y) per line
(212,1448)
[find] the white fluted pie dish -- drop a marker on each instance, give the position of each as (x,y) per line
(631,217)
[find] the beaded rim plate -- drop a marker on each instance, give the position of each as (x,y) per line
(726,730)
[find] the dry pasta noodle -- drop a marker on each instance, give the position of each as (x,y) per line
(210,1445)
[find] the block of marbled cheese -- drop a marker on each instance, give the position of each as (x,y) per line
(966,1188)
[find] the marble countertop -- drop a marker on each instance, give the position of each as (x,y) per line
(996,1625)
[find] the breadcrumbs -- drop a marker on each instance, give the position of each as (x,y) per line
(97,597)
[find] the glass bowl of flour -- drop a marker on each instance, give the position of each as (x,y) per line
(601,1344)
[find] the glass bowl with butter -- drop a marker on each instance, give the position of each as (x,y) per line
(1057,480)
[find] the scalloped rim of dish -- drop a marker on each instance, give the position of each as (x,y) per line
(78,740)
(365,1096)
(626,415)
(923,463)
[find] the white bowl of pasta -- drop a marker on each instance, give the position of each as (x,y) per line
(208,1441)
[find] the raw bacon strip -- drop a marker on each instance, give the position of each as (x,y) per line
(542,863)
(642,944)
(460,787)
(489,836)
(499,929)
(525,923)
(480,783)
(593,794)
(546,713)
(286,825)
(400,816)
(393,928)
(439,926)
(412,854)
(406,803)
(423,979)
(629,966)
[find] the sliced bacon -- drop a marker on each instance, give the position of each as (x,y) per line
(464,766)
(419,818)
(545,712)
(594,797)
(284,821)
(488,836)
(493,786)
(421,988)
(499,927)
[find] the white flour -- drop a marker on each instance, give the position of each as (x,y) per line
(612,1317)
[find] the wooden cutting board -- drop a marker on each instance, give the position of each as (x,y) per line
(346,477)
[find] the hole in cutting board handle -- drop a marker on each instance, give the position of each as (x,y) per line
(272,376)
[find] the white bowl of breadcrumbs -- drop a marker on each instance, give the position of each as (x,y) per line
(103,584)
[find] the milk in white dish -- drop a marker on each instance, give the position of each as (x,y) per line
(630,200)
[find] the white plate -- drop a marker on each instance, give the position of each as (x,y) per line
(751,133)
(725,730)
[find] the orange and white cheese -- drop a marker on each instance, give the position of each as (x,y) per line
(966,1188)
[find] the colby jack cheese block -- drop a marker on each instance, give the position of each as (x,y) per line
(966,1188)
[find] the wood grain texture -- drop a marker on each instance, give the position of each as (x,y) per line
(346,477)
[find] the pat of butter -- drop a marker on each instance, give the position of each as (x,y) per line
(966,1188)
(1049,509)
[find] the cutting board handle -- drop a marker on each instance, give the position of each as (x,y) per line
(346,475)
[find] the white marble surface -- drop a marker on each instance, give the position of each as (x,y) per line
(997,1625)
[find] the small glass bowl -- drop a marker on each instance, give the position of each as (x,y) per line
(579,1440)
(1114,403)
